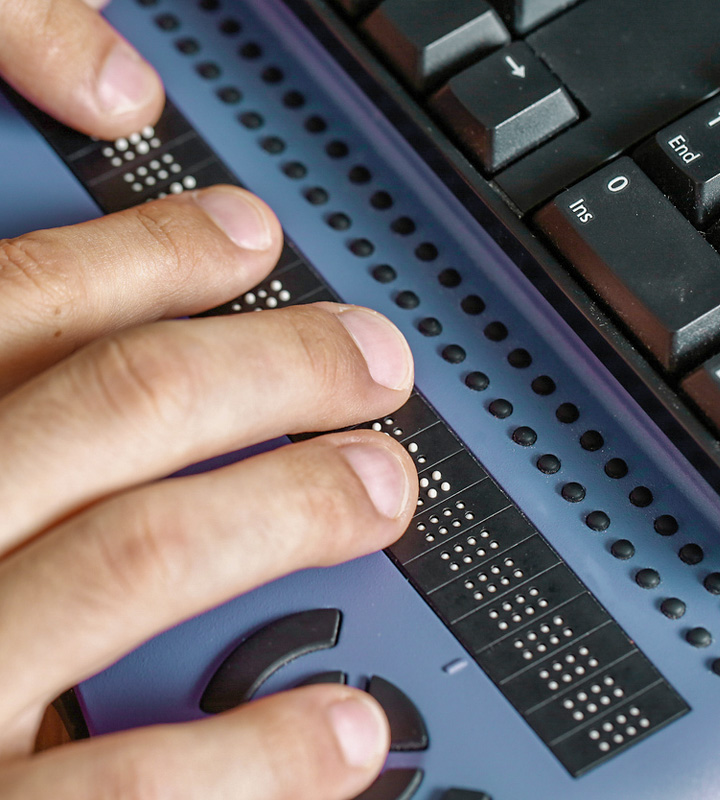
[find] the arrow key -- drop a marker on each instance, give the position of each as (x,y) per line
(504,106)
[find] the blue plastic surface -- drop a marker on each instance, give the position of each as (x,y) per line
(477,739)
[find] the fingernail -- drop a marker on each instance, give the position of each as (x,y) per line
(238,216)
(360,729)
(382,475)
(386,352)
(126,82)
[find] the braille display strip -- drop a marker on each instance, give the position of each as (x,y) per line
(520,611)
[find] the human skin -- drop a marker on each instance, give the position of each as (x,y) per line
(104,390)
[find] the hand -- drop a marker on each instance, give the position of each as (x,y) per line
(102,393)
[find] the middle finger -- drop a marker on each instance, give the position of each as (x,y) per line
(143,403)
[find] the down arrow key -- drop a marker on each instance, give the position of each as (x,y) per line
(503,106)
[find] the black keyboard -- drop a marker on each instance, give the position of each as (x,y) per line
(591,130)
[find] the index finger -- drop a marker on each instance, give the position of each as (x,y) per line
(64,57)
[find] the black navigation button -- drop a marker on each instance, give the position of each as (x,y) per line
(265,651)
(337,676)
(394,784)
(407,727)
(465,794)
(683,159)
(425,40)
(504,106)
(643,258)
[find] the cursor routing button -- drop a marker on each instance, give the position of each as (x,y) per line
(504,106)
(253,661)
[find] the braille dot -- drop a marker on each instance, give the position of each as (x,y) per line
(315,124)
(272,145)
(478,381)
(647,578)
(293,99)
(208,70)
(381,201)
(573,492)
(519,358)
(500,408)
(591,441)
(449,278)
(495,331)
(230,27)
(666,525)
(567,413)
(403,225)
(597,521)
(295,170)
(472,305)
(543,385)
(616,468)
(426,251)
(359,174)
(548,464)
(712,582)
(339,221)
(362,247)
(229,95)
(454,354)
(641,496)
(524,436)
(623,549)
(430,326)
(209,5)
(251,51)
(316,195)
(251,120)
(167,22)
(691,554)
(384,273)
(272,74)
(672,607)
(337,149)
(699,637)
(188,47)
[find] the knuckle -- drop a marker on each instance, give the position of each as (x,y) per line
(327,499)
(151,553)
(25,263)
(145,379)
(172,231)
(142,777)
(322,352)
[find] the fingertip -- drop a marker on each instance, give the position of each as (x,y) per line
(361,730)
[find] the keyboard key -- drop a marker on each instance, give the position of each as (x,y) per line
(504,106)
(356,7)
(524,15)
(684,161)
(642,257)
(628,67)
(703,387)
(426,40)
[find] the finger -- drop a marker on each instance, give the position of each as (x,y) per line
(145,560)
(146,402)
(64,57)
(316,743)
(64,287)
